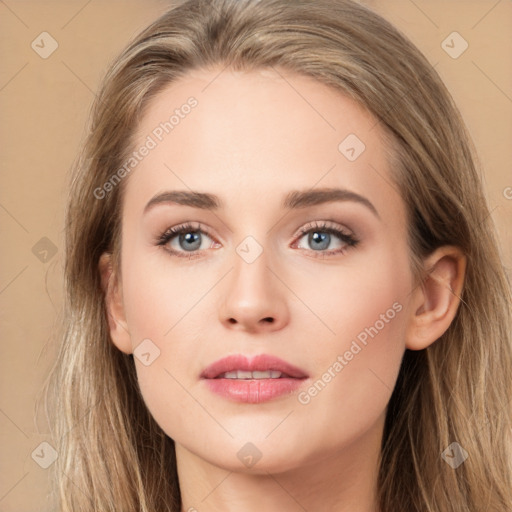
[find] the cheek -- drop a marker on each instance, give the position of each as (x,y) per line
(362,303)
(358,365)
(161,305)
(157,295)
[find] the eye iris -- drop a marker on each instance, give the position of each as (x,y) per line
(191,237)
(317,236)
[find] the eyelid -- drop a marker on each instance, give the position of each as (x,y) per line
(186,226)
(323,225)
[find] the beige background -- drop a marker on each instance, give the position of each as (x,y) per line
(44,103)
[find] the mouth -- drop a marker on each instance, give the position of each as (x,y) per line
(241,374)
(263,366)
(255,380)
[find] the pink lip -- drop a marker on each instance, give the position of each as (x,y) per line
(260,363)
(252,390)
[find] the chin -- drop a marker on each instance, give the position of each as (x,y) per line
(254,454)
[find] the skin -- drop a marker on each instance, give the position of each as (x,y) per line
(251,139)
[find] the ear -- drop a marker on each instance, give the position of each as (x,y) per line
(111,286)
(436,300)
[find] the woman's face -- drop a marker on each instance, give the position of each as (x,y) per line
(303,257)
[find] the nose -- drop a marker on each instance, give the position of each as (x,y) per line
(254,298)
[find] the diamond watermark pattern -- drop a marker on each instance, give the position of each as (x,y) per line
(454,455)
(249,455)
(146,352)
(44,455)
(44,250)
(44,45)
(454,45)
(249,249)
(351,147)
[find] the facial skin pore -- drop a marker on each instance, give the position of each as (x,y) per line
(253,138)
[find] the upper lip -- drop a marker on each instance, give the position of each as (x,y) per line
(262,362)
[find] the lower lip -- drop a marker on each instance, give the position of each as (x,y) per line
(253,391)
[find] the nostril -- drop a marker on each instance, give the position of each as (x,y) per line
(268,319)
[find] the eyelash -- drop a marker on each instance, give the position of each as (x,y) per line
(169,234)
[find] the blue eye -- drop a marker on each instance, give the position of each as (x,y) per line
(319,238)
(189,239)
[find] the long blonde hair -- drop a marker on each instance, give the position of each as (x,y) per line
(112,454)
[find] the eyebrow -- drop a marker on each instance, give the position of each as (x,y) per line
(294,200)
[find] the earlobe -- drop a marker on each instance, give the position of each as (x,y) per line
(436,300)
(110,284)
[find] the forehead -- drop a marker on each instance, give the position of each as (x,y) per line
(255,135)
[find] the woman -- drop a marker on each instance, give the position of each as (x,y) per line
(338,335)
